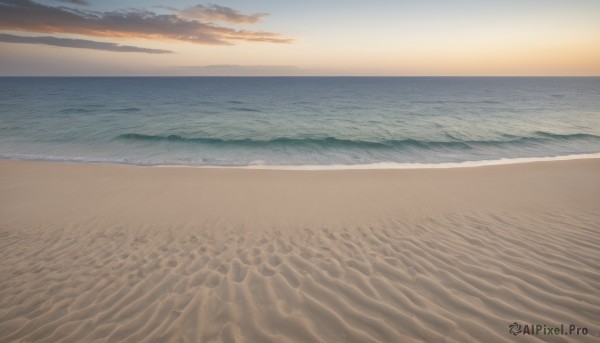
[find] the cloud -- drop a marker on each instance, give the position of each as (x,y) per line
(78,43)
(75,2)
(28,15)
(220,13)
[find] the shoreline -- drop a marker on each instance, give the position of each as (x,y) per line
(254,197)
(318,167)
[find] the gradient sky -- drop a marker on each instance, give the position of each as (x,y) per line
(277,37)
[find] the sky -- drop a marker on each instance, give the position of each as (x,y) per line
(300,38)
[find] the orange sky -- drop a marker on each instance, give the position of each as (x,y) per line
(383,38)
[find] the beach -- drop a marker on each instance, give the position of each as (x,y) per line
(392,171)
(110,253)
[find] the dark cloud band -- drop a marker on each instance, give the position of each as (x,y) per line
(75,2)
(78,43)
(28,15)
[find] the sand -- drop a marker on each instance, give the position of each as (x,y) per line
(106,253)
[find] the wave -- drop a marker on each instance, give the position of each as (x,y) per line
(77,110)
(332,142)
(443,102)
(94,109)
(244,109)
(127,109)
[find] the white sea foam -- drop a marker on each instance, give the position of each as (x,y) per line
(394,165)
(259,165)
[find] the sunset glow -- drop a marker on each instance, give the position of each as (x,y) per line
(382,38)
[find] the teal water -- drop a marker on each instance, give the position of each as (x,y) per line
(297,121)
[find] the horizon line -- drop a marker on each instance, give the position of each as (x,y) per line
(299,76)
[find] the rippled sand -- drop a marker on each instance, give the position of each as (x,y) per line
(112,253)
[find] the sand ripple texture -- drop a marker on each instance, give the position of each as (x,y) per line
(456,278)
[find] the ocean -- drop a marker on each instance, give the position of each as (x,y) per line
(298,121)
